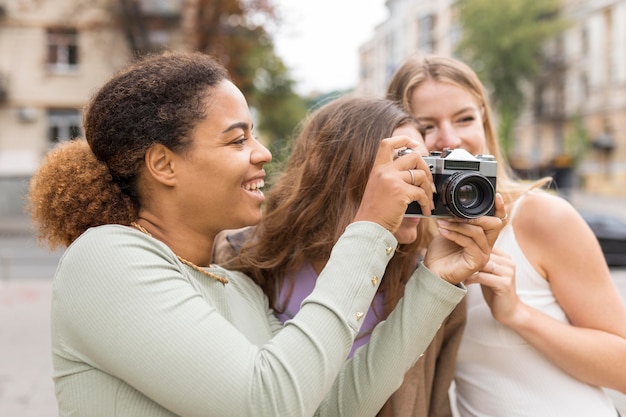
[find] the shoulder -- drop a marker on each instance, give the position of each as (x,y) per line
(114,238)
(542,211)
(550,230)
(113,231)
(244,285)
(114,248)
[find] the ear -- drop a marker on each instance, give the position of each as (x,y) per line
(160,164)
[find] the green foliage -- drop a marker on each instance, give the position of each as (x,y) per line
(577,140)
(503,41)
(274,96)
(505,129)
(237,32)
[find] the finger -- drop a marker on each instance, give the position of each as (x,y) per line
(489,280)
(500,209)
(388,150)
(419,178)
(414,161)
(412,177)
(499,253)
(474,232)
(491,266)
(420,174)
(471,239)
(499,266)
(424,166)
(424,194)
(492,225)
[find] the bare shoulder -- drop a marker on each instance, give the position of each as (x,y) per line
(542,212)
(549,228)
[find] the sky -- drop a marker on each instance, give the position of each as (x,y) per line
(319,40)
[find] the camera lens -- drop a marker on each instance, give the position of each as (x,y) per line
(468,194)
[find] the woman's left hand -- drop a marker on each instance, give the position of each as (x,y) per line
(497,282)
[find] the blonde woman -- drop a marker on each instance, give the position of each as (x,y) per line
(546,326)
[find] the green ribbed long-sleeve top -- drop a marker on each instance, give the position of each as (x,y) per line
(137,333)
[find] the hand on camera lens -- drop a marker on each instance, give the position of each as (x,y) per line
(463,246)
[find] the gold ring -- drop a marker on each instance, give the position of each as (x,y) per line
(506,215)
(412,177)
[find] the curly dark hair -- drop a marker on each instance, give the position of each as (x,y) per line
(158,99)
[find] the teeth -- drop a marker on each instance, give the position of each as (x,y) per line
(254,185)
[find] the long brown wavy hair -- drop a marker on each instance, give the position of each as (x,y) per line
(318,193)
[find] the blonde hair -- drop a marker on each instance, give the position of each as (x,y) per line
(417,70)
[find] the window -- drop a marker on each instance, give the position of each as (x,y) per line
(426,33)
(584,42)
(63,124)
(161,7)
(62,50)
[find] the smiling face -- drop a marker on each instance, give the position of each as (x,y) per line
(221,173)
(450,116)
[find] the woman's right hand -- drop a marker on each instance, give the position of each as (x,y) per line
(389,190)
(463,246)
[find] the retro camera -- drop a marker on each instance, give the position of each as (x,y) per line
(465,184)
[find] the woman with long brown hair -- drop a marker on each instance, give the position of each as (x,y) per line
(308,207)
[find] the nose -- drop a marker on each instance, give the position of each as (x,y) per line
(260,154)
(445,136)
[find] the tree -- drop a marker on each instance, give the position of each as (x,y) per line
(280,109)
(238,33)
(503,41)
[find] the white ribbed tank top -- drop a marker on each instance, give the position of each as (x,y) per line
(499,374)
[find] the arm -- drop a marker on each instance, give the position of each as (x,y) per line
(560,245)
(377,369)
(372,375)
(125,308)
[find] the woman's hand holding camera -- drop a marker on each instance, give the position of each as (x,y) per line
(394,183)
(463,246)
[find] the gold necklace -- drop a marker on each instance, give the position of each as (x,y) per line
(183,260)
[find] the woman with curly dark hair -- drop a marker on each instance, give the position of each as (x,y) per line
(144,325)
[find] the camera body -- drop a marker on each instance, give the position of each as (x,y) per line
(465,184)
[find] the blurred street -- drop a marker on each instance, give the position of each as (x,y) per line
(26,270)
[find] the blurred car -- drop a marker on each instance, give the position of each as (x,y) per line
(610,231)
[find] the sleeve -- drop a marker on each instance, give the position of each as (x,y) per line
(377,369)
(123,306)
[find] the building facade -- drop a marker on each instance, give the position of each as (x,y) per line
(53,56)
(576,108)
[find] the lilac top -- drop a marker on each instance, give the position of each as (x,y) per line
(304,283)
